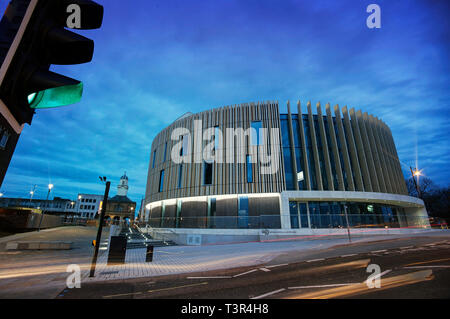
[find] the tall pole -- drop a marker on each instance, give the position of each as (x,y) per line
(32,193)
(50,186)
(348,225)
(416,183)
(78,204)
(99,232)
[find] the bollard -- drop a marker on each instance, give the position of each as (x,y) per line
(117,250)
(149,255)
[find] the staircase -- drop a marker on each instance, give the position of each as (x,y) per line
(136,239)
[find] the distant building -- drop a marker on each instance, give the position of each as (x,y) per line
(120,206)
(88,205)
(57,205)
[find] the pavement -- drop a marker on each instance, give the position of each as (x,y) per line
(43,274)
(184,259)
(407,268)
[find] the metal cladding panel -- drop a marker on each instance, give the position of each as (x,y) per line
(325,149)
(356,170)
(374,150)
(303,142)
(368,153)
(344,149)
(334,147)
(312,133)
(228,177)
(361,153)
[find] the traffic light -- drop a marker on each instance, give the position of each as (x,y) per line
(34,35)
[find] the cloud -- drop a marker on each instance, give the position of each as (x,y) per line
(156,60)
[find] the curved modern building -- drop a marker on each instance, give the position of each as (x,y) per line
(247,169)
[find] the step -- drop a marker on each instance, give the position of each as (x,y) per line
(39,245)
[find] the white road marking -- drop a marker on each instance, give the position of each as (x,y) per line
(313,260)
(269,293)
(407,247)
(264,269)
(383,273)
(379,251)
(213,277)
(349,255)
(273,266)
(245,273)
(323,286)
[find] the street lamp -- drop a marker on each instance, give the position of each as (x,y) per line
(50,187)
(415,174)
(100,225)
(78,206)
(32,193)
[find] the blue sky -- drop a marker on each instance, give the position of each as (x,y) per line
(155,60)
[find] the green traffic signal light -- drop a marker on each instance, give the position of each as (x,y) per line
(54,97)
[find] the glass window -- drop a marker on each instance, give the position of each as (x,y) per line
(243,212)
(249,169)
(212,212)
(154,158)
(207,173)
(309,154)
(161,180)
(330,153)
(304,215)
(288,169)
(185,145)
(320,151)
(293,209)
(314,213)
(180,175)
(165,151)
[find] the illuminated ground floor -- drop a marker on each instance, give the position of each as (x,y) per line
(244,216)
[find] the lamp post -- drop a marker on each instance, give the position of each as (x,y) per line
(100,226)
(416,173)
(131,214)
(348,225)
(50,186)
(78,206)
(32,193)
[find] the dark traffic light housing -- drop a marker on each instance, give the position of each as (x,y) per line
(34,35)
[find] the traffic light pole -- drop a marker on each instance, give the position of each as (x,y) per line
(348,225)
(99,232)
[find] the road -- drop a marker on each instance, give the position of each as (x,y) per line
(43,273)
(410,268)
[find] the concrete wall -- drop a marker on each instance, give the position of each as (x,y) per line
(218,236)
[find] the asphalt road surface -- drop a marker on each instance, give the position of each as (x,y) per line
(407,268)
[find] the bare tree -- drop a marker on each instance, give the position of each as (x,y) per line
(426,186)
